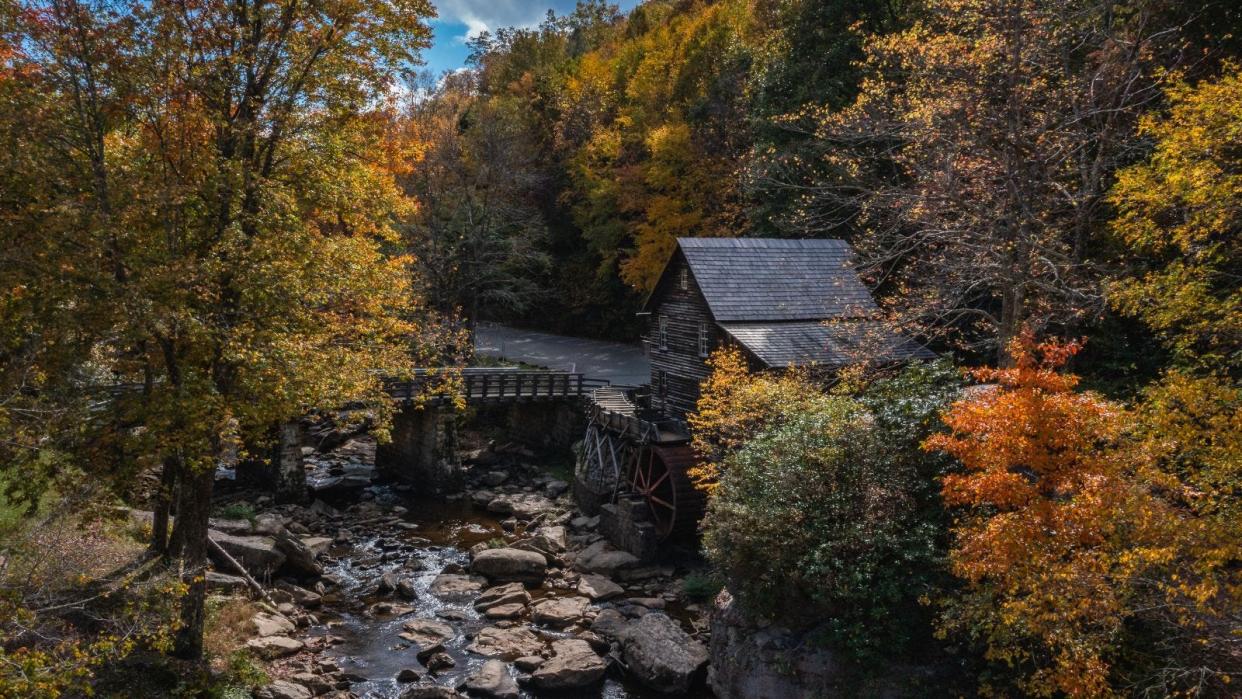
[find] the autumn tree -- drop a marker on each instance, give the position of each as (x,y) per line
(659,164)
(216,210)
(1054,532)
(971,170)
(811,56)
(1179,215)
(479,236)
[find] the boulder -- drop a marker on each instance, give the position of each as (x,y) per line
(597,642)
(493,680)
(318,545)
(257,554)
(555,536)
(528,663)
(512,593)
(610,624)
(604,559)
(439,661)
(236,527)
(267,624)
(406,589)
(559,612)
(426,632)
(272,647)
(662,655)
(520,505)
(425,654)
(301,595)
(536,544)
(598,587)
(505,611)
(283,689)
(508,644)
(494,478)
(429,691)
(299,559)
(269,524)
(225,583)
(573,665)
(387,583)
(409,674)
(451,587)
(317,684)
(509,565)
(555,489)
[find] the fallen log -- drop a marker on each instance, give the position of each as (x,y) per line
(254,584)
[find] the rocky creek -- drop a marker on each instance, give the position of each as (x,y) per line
(502,591)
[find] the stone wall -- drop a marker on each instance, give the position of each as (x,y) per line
(423,450)
(546,424)
(627,525)
(289,477)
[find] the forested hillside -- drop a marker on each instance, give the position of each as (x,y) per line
(966,150)
(244,245)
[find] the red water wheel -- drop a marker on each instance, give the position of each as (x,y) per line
(660,477)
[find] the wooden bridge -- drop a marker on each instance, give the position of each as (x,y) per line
(477,385)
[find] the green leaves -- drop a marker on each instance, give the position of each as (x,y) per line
(828,512)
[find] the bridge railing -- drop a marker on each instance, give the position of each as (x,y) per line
(503,384)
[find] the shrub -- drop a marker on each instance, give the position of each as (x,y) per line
(237,510)
(830,516)
(700,587)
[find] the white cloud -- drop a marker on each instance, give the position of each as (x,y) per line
(489,15)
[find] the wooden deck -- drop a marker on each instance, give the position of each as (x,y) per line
(612,409)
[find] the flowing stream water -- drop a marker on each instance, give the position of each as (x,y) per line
(418,543)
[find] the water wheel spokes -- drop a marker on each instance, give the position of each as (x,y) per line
(652,480)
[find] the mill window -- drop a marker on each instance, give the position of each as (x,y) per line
(663,332)
(703,339)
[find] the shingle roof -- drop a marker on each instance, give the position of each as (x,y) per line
(764,279)
(830,345)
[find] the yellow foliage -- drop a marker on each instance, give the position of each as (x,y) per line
(1188,432)
(735,405)
(1183,205)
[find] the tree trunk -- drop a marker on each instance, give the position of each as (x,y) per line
(162,504)
(1012,303)
(192,513)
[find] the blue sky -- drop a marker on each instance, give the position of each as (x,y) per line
(460,19)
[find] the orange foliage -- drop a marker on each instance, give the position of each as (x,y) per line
(1056,530)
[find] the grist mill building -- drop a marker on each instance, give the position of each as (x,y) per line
(783,303)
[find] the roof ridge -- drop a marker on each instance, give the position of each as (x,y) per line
(735,243)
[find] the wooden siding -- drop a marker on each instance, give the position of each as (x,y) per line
(681,362)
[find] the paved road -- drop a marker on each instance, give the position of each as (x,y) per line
(618,362)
